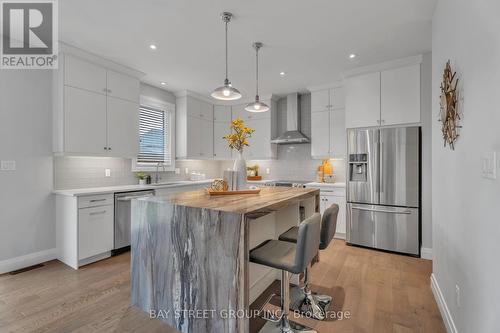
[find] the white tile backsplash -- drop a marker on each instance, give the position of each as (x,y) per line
(80,172)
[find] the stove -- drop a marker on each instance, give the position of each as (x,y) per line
(289,183)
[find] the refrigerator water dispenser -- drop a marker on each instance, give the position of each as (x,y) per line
(358,167)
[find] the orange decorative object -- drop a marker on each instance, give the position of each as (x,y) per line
(327,167)
(254,177)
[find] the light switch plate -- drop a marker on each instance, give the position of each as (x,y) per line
(177,171)
(107,172)
(268,171)
(8,165)
(489,165)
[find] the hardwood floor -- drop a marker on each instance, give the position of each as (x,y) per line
(382,292)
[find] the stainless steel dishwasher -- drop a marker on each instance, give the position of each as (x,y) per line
(123,218)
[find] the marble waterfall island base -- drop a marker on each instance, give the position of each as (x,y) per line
(190,254)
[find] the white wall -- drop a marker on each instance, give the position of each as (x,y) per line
(26,205)
(466,215)
(427,120)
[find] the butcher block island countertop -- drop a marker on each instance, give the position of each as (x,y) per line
(190,251)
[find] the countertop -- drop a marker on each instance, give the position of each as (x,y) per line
(269,199)
(127,188)
(326,184)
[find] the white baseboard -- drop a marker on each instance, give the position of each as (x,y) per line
(27,260)
(426,253)
(443,308)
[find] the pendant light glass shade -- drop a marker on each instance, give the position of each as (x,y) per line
(226,92)
(257,105)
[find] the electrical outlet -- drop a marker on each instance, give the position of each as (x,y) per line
(458,301)
(177,171)
(489,165)
(107,172)
(8,165)
(268,171)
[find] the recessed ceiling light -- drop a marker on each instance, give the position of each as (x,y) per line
(282,73)
(152,47)
(352,56)
(162,83)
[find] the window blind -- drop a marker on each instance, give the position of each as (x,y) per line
(153,129)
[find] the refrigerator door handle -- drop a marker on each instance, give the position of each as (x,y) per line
(407,212)
(381,171)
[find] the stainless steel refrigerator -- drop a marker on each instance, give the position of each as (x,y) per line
(383,188)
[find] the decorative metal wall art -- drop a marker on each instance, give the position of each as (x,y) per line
(449,115)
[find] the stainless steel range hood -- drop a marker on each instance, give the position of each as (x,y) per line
(293,133)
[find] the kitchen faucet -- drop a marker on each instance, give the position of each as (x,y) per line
(157,173)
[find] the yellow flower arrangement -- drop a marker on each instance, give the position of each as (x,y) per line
(239,135)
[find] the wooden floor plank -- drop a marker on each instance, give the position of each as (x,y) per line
(382,292)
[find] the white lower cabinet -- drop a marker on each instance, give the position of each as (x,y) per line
(95,231)
(333,195)
(326,201)
(84,228)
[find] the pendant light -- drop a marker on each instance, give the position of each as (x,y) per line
(257,105)
(226,92)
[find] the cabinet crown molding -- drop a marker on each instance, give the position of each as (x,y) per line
(402,62)
(98,60)
(331,85)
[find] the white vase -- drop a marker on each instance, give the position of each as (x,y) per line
(240,165)
(142,181)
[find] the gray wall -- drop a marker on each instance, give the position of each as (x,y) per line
(26,205)
(465,207)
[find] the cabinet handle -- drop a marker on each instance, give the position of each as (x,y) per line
(382,121)
(105,148)
(104,90)
(109,91)
(97,200)
(109,148)
(98,213)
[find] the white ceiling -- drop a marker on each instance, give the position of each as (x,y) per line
(309,40)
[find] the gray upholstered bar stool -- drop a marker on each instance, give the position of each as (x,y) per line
(290,258)
(302,299)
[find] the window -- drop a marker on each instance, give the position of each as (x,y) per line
(155,137)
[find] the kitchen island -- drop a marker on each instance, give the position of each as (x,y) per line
(190,264)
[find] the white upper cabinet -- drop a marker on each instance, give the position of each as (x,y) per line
(320,100)
(221,147)
(222,113)
(328,138)
(320,134)
(82,74)
(222,123)
(207,138)
(362,100)
(400,91)
(389,97)
(194,128)
(265,126)
(122,86)
(84,122)
(337,133)
(96,110)
(122,122)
